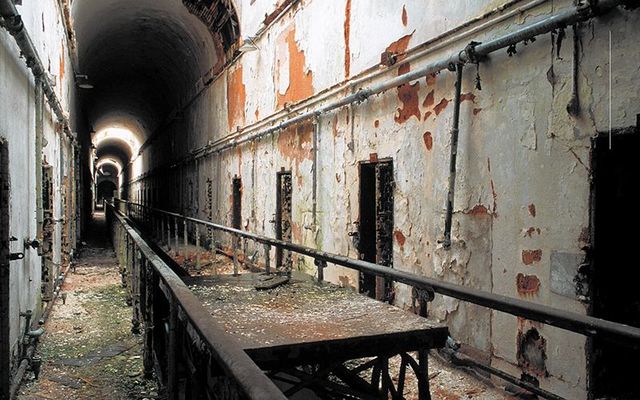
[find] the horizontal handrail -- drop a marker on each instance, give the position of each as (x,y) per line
(231,357)
(567,320)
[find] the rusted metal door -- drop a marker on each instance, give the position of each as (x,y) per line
(283,218)
(5,348)
(236,214)
(384,225)
(48,226)
(375,225)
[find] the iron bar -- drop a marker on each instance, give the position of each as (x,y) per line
(234,361)
(574,322)
(446,243)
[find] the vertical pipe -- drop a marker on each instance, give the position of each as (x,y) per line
(39,136)
(454,156)
(197,246)
(186,239)
(314,195)
(175,231)
(172,353)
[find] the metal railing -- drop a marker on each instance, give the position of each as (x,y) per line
(166,224)
(191,354)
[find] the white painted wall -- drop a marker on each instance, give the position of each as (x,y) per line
(518,148)
(17,124)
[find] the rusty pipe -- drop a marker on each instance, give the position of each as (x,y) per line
(455,125)
(470,54)
(14,25)
(567,320)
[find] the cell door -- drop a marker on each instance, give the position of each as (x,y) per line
(5,348)
(236,212)
(283,218)
(615,273)
(375,233)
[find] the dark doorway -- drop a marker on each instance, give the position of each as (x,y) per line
(375,232)
(283,217)
(236,212)
(5,348)
(48,226)
(106,191)
(615,274)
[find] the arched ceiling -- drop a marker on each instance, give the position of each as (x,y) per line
(142,57)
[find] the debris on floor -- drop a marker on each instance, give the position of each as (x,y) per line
(88,350)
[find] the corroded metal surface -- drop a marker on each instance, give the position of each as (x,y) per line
(304,312)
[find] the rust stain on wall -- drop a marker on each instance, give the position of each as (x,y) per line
(531,256)
(468,96)
(236,97)
(441,106)
(347,33)
(428,140)
(428,101)
(431,79)
(62,67)
(407,93)
(376,123)
(426,115)
(294,142)
(476,111)
(478,210)
(300,82)
(405,18)
(400,46)
(269,18)
(532,210)
(493,190)
(532,352)
(257,114)
(529,232)
(296,232)
(400,238)
(527,284)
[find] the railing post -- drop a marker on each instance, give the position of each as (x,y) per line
(197,246)
(175,232)
(267,258)
(136,289)
(234,246)
(172,353)
(186,240)
(321,264)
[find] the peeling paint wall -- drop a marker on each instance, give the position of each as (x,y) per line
(523,163)
(18,125)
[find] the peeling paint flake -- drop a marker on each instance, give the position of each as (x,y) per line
(527,284)
(294,142)
(441,106)
(405,18)
(236,95)
(428,140)
(407,93)
(300,83)
(531,256)
(347,34)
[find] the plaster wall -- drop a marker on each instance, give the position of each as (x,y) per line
(522,193)
(18,126)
